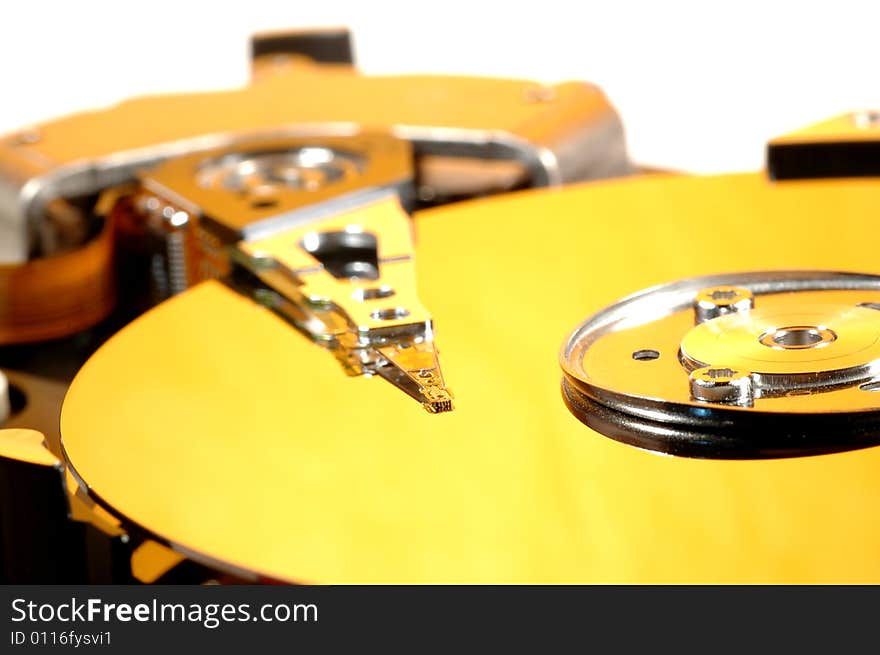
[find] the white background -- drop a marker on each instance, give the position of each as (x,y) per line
(700,85)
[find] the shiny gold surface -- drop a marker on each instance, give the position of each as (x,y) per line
(151,560)
(298,97)
(738,340)
(376,160)
(306,93)
(385,219)
(374,324)
(472,121)
(734,341)
(27,446)
(843,128)
(225,432)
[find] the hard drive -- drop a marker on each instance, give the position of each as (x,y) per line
(373,339)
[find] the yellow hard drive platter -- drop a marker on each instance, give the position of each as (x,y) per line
(255,413)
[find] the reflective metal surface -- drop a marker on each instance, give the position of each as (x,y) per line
(573,135)
(717,301)
(366,312)
(273,461)
(263,186)
(318,227)
(726,385)
(261,174)
(806,349)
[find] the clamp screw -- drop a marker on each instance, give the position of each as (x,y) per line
(716,301)
(718,384)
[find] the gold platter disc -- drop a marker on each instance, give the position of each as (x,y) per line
(212,424)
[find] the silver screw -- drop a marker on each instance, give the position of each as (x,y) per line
(719,384)
(716,301)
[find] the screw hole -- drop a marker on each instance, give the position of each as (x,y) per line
(264,203)
(798,337)
(373,293)
(724,294)
(645,355)
(716,373)
(389,314)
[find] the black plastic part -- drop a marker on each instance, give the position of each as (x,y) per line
(754,435)
(325,46)
(40,544)
(807,161)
